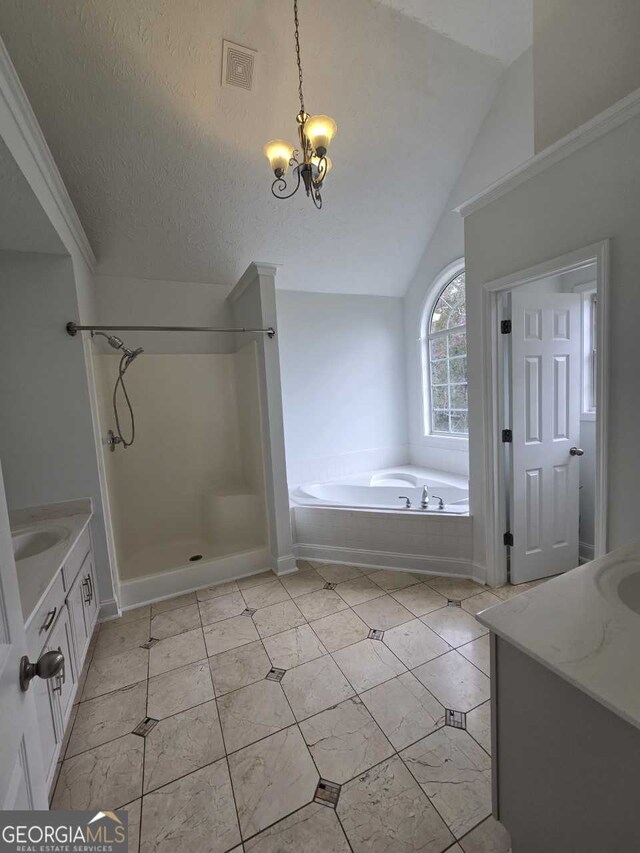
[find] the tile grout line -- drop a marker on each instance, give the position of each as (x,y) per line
(261,639)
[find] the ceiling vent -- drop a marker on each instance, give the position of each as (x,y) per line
(238,65)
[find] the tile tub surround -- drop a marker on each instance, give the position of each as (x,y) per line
(438,544)
(365,714)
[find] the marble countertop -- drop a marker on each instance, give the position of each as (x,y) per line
(37,573)
(576,626)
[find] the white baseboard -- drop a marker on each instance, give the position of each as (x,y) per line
(145,590)
(586,552)
(286,565)
(108,610)
(388,560)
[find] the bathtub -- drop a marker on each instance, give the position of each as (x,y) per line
(362,521)
(388,489)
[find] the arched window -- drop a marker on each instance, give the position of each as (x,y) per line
(446,339)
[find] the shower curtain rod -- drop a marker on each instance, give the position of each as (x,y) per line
(74,328)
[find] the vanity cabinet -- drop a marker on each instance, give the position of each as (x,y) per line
(64,621)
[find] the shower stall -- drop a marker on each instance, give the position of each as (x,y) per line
(191,501)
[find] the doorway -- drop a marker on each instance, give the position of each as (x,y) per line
(546,379)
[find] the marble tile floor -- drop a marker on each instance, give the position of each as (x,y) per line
(254,691)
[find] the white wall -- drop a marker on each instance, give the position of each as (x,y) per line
(585,59)
(504,142)
(46,430)
(128,301)
(590,195)
(343,384)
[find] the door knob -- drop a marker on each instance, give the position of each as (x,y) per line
(48,665)
(576,451)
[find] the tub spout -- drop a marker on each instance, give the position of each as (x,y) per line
(424,503)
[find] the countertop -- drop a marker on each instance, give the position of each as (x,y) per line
(37,573)
(576,626)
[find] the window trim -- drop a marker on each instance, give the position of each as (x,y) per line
(435,439)
(588,316)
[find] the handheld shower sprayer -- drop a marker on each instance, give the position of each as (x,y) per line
(128,356)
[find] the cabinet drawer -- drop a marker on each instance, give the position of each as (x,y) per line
(74,561)
(42,620)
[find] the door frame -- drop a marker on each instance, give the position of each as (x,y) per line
(493,393)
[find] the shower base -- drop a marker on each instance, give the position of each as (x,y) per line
(175,555)
(162,570)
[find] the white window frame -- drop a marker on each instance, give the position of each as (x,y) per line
(588,292)
(436,439)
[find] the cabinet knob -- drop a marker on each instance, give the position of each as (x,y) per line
(48,665)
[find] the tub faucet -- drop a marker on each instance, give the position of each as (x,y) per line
(424,503)
(440,501)
(407,501)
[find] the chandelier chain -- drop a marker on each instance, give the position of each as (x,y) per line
(298,60)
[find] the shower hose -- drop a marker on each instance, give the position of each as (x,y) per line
(125,361)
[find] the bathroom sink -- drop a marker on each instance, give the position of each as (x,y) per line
(29,543)
(629,591)
(620,583)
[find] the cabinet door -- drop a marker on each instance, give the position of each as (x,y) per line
(75,603)
(64,685)
(49,725)
(91,600)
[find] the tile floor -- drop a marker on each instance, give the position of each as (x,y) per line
(256,690)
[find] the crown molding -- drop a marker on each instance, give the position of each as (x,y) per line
(24,138)
(611,118)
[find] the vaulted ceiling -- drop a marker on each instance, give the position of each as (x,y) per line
(164,165)
(499,28)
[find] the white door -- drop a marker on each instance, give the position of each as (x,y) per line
(22,783)
(545,422)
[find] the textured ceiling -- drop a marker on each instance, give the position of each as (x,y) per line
(24,226)
(499,28)
(165,166)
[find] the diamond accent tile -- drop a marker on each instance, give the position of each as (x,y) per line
(275,674)
(145,727)
(455,719)
(327,793)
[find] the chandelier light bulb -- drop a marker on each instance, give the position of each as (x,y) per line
(279,153)
(320,130)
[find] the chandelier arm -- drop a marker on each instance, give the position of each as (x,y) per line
(316,198)
(279,186)
(322,172)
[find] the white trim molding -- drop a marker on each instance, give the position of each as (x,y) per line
(492,385)
(616,115)
(451,567)
(24,138)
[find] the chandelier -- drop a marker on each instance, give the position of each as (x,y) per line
(309,162)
